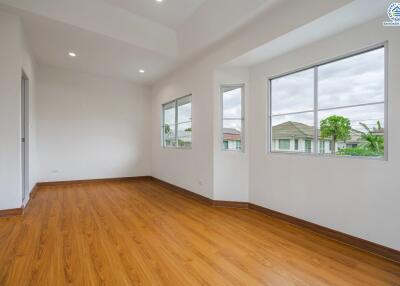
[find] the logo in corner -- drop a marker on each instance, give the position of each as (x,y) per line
(393,14)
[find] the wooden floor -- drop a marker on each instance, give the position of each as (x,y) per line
(138,233)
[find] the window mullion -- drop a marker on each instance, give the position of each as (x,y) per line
(316,110)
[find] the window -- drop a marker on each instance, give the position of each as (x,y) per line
(232,99)
(284,144)
(177,123)
(335,108)
(308,146)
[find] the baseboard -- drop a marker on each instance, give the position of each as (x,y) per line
(87,181)
(31,196)
(229,204)
(359,243)
(183,191)
(341,237)
(11,212)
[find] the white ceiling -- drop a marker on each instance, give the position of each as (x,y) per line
(98,54)
(116,38)
(171,13)
(316,30)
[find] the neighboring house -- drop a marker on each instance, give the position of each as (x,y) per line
(232,139)
(298,137)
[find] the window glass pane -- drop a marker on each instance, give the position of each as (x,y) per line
(168,127)
(291,128)
(185,134)
(365,137)
(232,102)
(293,93)
(169,113)
(185,109)
(355,80)
(232,134)
(177,134)
(169,135)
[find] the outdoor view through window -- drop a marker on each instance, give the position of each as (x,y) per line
(177,123)
(336,108)
(232,117)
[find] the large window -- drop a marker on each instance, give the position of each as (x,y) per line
(177,123)
(232,97)
(335,108)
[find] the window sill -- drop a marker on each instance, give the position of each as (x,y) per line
(176,148)
(327,156)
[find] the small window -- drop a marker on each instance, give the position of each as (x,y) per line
(284,144)
(308,147)
(232,99)
(335,108)
(177,123)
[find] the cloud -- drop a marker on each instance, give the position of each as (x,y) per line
(351,81)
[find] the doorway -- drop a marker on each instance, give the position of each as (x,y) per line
(24,135)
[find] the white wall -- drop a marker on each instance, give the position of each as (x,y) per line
(14,57)
(356,196)
(191,169)
(363,202)
(231,168)
(91,127)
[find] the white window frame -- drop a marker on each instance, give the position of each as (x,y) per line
(242,119)
(175,102)
(315,67)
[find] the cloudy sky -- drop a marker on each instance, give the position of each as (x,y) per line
(184,116)
(232,108)
(351,81)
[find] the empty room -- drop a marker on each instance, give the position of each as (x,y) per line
(199,142)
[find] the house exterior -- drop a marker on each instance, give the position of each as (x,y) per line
(232,139)
(293,136)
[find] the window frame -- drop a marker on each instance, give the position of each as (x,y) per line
(175,102)
(242,101)
(315,66)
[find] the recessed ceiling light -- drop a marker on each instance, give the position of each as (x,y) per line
(141,71)
(72,54)
(159,0)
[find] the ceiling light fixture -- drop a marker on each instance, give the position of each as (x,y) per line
(72,54)
(159,0)
(141,71)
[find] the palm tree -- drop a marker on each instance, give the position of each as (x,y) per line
(373,142)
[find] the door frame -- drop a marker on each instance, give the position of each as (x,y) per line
(24,136)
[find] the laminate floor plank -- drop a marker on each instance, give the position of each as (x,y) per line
(142,233)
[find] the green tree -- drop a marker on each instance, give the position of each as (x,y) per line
(167,129)
(373,141)
(335,127)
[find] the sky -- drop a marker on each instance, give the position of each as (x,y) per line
(351,81)
(184,116)
(232,108)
